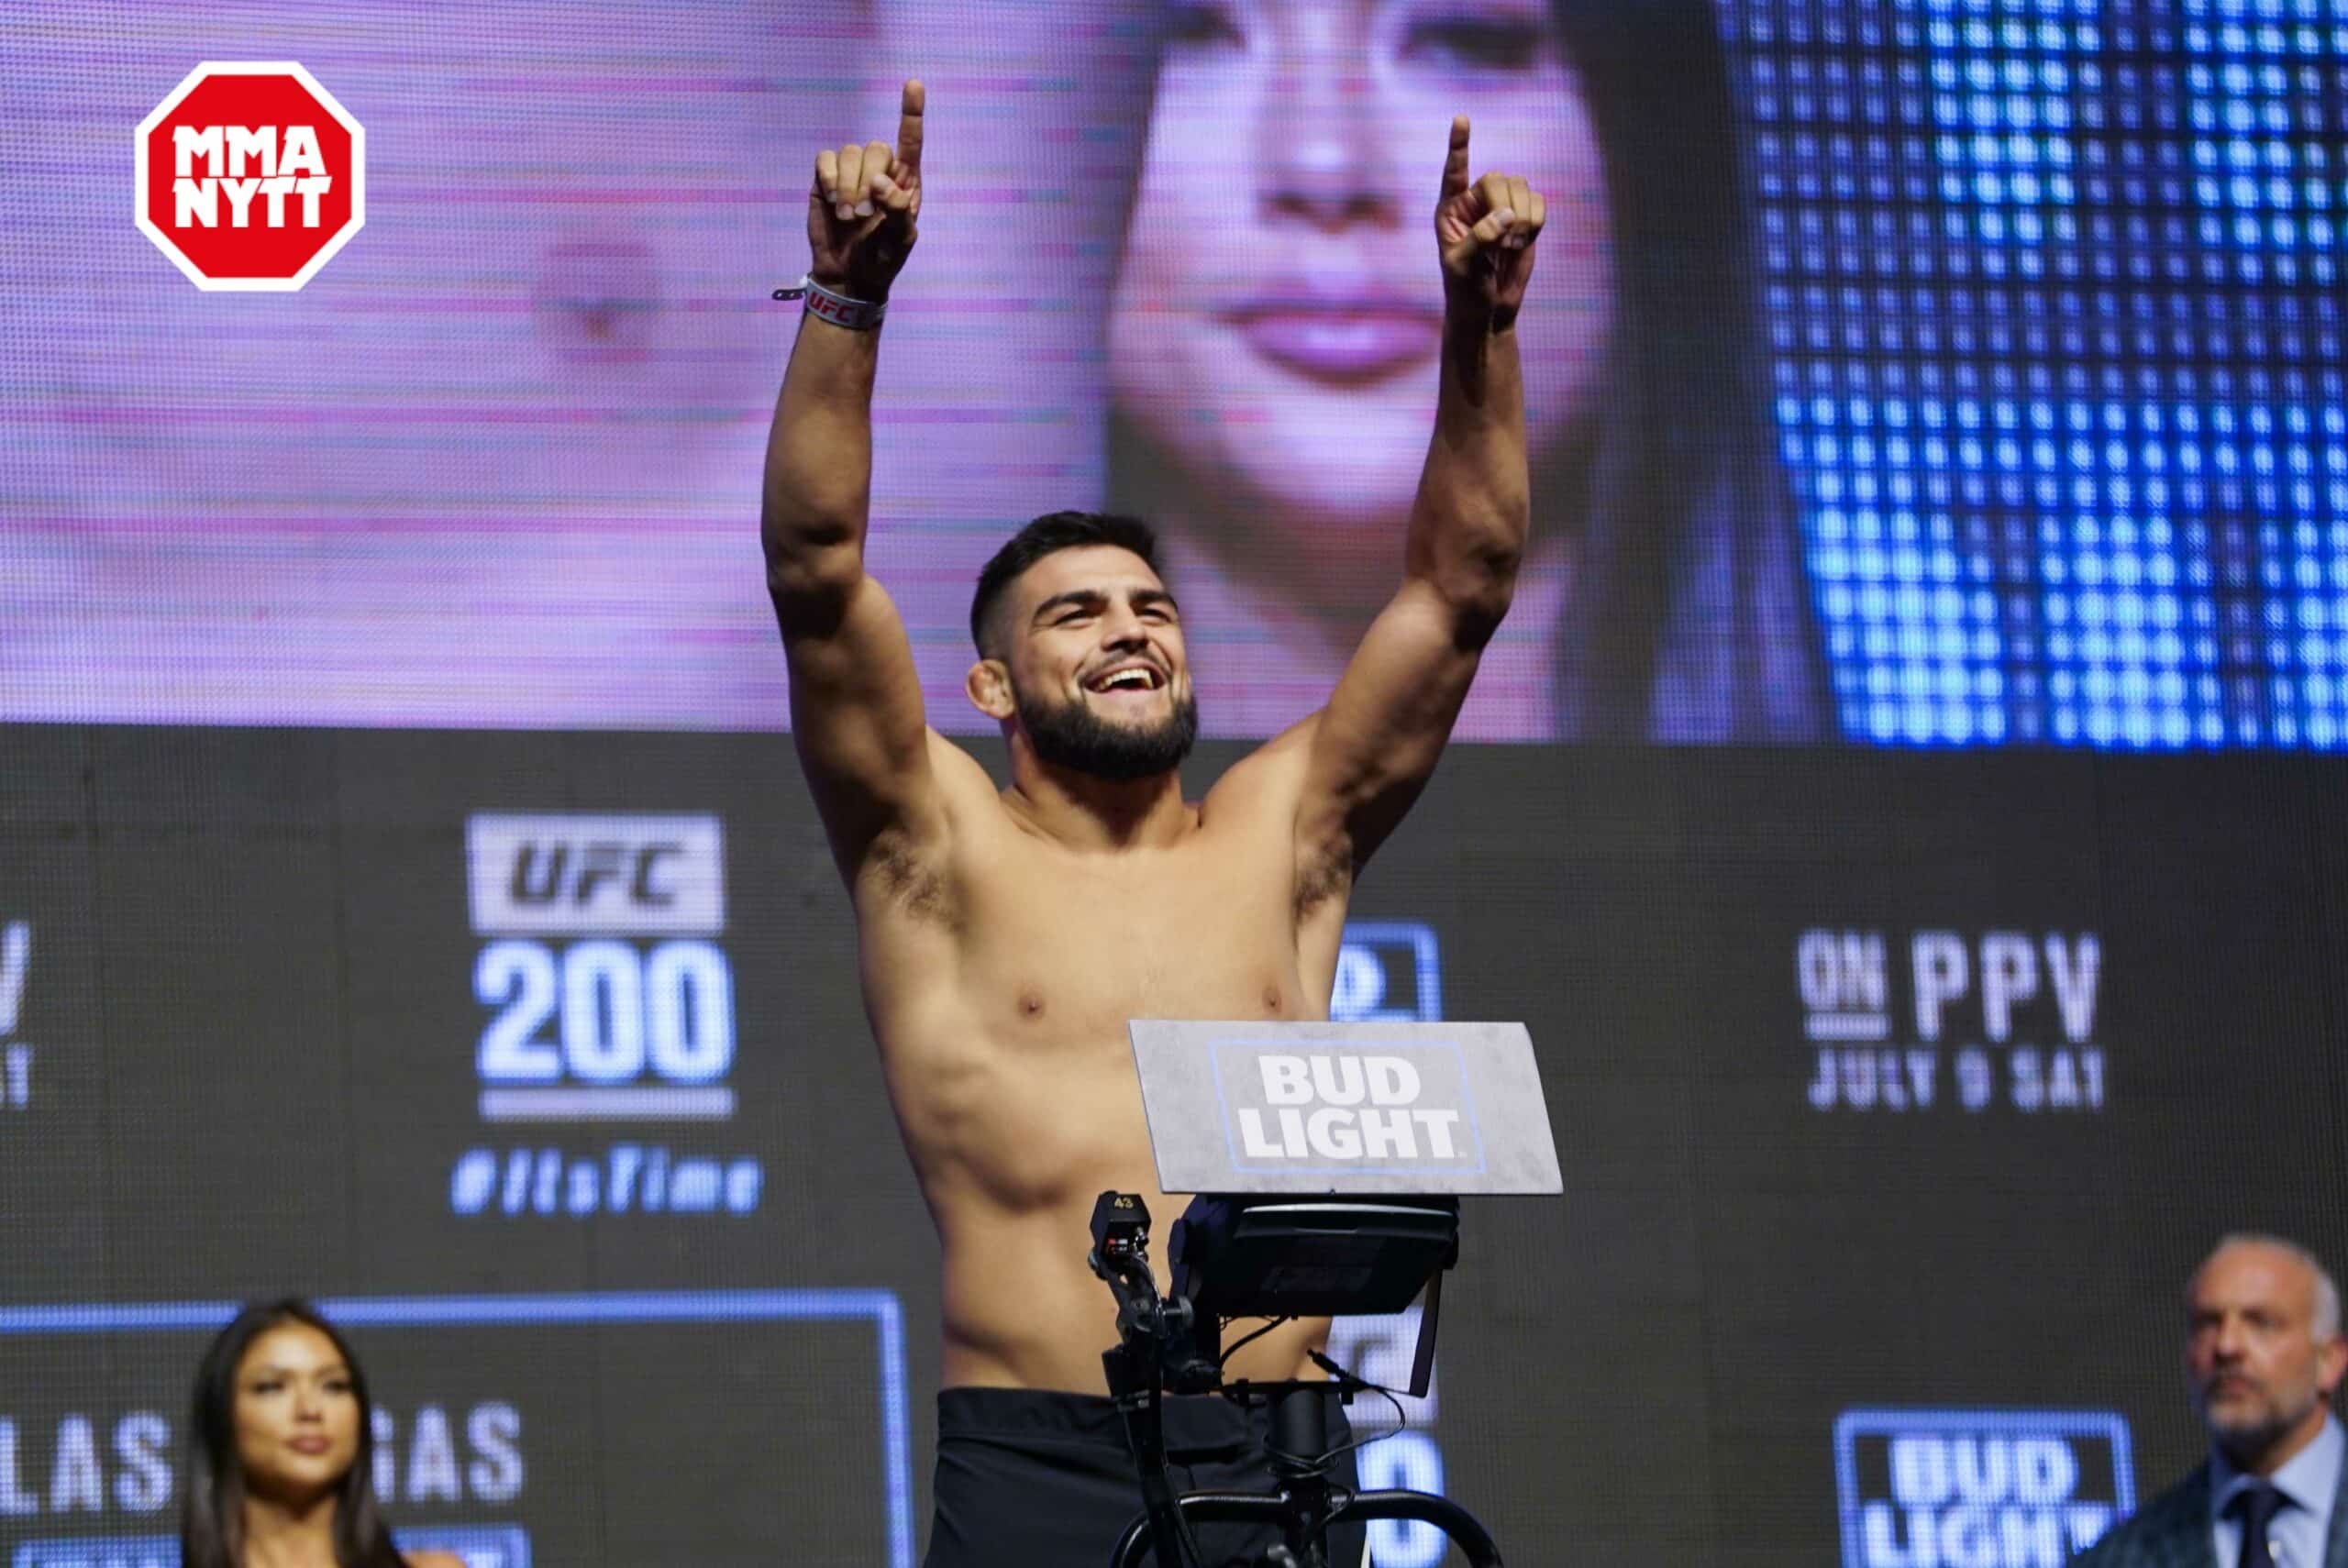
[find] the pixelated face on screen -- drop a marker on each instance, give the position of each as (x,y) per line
(1973,380)
(1275,328)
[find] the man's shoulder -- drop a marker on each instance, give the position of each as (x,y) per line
(960,775)
(1273,773)
(2164,1534)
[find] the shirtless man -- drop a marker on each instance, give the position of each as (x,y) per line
(1008,935)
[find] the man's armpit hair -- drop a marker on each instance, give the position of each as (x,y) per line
(1321,874)
(907,879)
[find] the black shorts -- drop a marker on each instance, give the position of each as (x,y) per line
(1030,1478)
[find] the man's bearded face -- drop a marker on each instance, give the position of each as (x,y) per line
(1121,747)
(1098,680)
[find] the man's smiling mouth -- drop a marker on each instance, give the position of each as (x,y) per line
(1128,678)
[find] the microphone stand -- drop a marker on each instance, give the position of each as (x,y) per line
(1158,1349)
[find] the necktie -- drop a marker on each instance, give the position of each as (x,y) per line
(2257,1505)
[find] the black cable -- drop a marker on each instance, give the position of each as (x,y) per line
(1401,1420)
(1232,1349)
(1343,1380)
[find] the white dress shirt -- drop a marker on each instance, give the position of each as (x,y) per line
(2309,1482)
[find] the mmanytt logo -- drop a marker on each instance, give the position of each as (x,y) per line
(250,176)
(1978,1488)
(609,999)
(1994,1018)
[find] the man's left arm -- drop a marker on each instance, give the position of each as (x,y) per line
(1374,746)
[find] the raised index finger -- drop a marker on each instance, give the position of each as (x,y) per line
(1455,163)
(909,126)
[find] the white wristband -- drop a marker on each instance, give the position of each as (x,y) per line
(857,315)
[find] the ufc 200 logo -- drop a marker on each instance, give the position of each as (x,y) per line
(607,996)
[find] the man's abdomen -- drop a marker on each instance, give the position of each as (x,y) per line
(1024,1310)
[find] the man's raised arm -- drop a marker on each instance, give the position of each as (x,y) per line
(855,710)
(1373,748)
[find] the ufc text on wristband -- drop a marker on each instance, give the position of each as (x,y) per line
(857,315)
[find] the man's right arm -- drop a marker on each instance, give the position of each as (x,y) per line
(855,708)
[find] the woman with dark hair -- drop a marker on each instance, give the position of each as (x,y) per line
(1273,341)
(281,1451)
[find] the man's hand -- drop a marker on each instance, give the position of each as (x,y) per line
(1486,233)
(863,211)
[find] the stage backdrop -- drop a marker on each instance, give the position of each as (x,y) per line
(1900,805)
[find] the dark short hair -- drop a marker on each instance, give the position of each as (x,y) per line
(1053,532)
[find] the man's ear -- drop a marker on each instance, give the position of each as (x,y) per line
(989,686)
(2331,1363)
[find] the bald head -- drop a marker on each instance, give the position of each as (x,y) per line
(2293,1260)
(2263,1350)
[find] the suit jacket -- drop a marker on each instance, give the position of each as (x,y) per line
(2172,1530)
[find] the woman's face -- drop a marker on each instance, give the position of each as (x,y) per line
(297,1413)
(1278,316)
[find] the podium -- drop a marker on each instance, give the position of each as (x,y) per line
(1328,1161)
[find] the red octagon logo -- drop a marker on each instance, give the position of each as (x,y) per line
(250,175)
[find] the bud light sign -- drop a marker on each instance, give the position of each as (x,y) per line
(1978,1488)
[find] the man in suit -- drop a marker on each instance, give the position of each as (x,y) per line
(2263,1355)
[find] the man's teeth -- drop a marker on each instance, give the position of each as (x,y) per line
(1129,681)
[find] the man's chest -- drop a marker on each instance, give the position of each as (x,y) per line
(1083,945)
